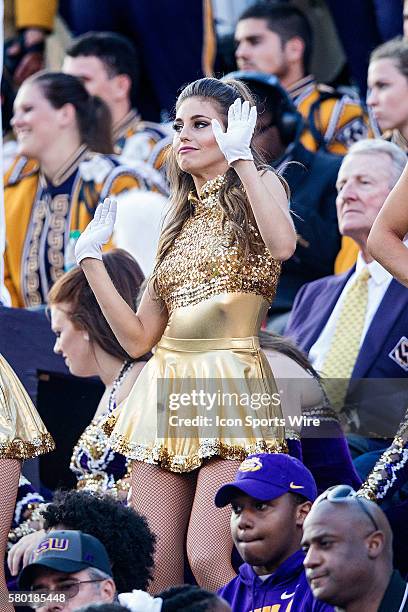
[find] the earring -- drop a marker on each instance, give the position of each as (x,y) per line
(86,337)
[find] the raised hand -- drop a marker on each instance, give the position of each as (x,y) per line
(97,233)
(235,142)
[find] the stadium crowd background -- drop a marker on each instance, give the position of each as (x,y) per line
(88,96)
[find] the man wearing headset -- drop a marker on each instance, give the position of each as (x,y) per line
(312,181)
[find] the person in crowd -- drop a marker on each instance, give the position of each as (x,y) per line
(353,326)
(323,448)
(348,546)
(270,499)
(73,568)
(22,436)
(108,66)
(312,182)
(162,34)
(277,39)
(387,88)
(54,185)
(89,347)
(388,78)
(217,268)
(104,518)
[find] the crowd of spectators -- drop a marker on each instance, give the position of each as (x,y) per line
(323,526)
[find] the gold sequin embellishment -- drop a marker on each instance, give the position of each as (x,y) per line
(205,259)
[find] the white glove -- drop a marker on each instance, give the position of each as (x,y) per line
(235,142)
(97,233)
(139,601)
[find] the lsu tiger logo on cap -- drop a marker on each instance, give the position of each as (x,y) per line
(253,464)
(59,544)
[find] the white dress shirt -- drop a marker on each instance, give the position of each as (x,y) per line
(378,284)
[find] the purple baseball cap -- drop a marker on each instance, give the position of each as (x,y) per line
(267,476)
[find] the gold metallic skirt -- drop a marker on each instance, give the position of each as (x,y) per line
(22,432)
(199,398)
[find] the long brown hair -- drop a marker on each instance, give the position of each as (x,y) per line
(84,311)
(233,200)
(280,344)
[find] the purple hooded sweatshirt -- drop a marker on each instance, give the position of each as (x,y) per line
(286,590)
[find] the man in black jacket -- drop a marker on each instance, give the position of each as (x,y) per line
(312,181)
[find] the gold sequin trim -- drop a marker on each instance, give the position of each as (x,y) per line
(20,449)
(159,454)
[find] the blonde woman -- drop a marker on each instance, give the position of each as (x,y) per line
(216,272)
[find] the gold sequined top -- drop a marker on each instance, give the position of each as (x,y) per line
(205,260)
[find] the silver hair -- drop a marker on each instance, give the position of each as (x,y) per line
(97,574)
(372,146)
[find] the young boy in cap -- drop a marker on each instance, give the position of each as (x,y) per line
(270,498)
(69,569)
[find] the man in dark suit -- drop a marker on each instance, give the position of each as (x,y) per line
(355,326)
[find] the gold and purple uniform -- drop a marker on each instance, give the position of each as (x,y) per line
(40,213)
(333,121)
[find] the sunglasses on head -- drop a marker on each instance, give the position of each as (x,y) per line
(346,493)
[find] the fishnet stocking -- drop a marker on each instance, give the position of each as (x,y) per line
(209,542)
(9,477)
(165,499)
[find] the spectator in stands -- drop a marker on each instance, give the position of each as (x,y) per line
(270,498)
(90,348)
(108,66)
(388,90)
(124,533)
(312,182)
(277,39)
(323,449)
(348,545)
(57,181)
(175,41)
(71,563)
(354,325)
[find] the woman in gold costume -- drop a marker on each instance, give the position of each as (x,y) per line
(22,436)
(216,272)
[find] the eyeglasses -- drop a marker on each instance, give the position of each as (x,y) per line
(345,493)
(68,589)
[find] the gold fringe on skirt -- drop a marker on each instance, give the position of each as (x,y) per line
(22,432)
(198,398)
